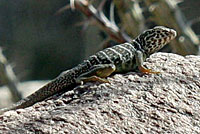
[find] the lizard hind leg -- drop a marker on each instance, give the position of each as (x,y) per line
(97,73)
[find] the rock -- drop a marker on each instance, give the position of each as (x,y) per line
(168,102)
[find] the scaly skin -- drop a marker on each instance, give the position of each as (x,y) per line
(117,59)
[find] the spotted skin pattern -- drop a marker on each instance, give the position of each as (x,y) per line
(117,59)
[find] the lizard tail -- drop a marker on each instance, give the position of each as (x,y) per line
(63,82)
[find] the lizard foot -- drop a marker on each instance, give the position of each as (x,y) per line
(147,71)
(91,79)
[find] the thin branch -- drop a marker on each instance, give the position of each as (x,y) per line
(72,5)
(196,20)
(111,29)
(8,78)
(61,10)
(101,5)
(112,14)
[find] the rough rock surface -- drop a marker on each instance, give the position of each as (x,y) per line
(168,102)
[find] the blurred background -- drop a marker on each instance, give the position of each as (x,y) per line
(39,39)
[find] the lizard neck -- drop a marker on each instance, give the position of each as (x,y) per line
(138,45)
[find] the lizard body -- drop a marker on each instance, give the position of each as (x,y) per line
(117,59)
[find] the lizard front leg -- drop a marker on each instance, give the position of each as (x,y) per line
(97,73)
(139,62)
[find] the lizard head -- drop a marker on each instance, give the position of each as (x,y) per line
(154,39)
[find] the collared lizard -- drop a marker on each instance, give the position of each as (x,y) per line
(117,59)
